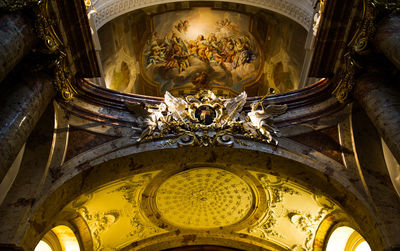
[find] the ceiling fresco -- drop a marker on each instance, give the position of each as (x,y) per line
(210,201)
(183,51)
(202,48)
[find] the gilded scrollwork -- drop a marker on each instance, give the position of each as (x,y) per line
(103,217)
(276,189)
(373,11)
(346,82)
(46,29)
(308,223)
(206,120)
(45,26)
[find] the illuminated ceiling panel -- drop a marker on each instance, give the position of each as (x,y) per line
(186,50)
(203,201)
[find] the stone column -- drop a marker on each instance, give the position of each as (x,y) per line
(23,100)
(387,39)
(17,38)
(380,98)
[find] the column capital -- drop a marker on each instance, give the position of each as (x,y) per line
(361,54)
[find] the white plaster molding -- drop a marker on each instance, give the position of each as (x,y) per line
(301,11)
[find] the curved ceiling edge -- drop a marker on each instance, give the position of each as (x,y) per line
(98,95)
(299,11)
(94,103)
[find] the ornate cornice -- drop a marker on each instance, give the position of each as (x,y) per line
(108,110)
(301,11)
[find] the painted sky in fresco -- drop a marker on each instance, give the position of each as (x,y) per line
(201,48)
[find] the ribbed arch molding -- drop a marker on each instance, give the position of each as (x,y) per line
(301,11)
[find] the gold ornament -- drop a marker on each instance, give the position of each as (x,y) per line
(206,120)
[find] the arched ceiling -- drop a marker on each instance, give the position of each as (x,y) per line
(244,206)
(188,46)
(300,11)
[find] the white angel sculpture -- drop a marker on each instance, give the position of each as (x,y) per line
(233,107)
(150,120)
(262,119)
(176,106)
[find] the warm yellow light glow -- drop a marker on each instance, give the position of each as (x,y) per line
(43,246)
(363,247)
(338,239)
(346,239)
(67,238)
(202,25)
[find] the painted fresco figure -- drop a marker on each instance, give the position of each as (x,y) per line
(201,81)
(156,56)
(221,51)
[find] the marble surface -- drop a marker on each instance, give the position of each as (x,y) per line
(325,141)
(387,39)
(80,141)
(17,39)
(379,97)
(29,181)
(24,98)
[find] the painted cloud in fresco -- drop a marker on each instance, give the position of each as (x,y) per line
(201,47)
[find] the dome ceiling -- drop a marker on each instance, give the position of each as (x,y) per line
(189,47)
(238,205)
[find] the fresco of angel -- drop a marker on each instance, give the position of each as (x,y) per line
(225,51)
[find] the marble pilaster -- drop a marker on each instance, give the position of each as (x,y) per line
(24,99)
(17,38)
(380,98)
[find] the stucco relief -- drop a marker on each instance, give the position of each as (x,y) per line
(299,11)
(113,208)
(292,208)
(206,199)
(206,120)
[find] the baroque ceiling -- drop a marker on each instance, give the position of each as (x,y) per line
(186,46)
(237,205)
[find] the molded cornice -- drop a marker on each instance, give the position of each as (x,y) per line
(301,11)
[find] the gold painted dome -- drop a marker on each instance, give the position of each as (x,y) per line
(204,198)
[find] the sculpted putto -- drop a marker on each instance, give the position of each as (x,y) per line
(206,119)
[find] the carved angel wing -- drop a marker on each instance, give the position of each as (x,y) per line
(234,106)
(137,109)
(176,106)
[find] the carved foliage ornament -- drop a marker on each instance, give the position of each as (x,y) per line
(45,26)
(205,119)
(47,32)
(373,11)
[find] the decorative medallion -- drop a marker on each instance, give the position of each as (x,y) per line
(205,114)
(204,198)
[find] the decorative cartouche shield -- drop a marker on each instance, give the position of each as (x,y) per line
(205,114)
(205,119)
